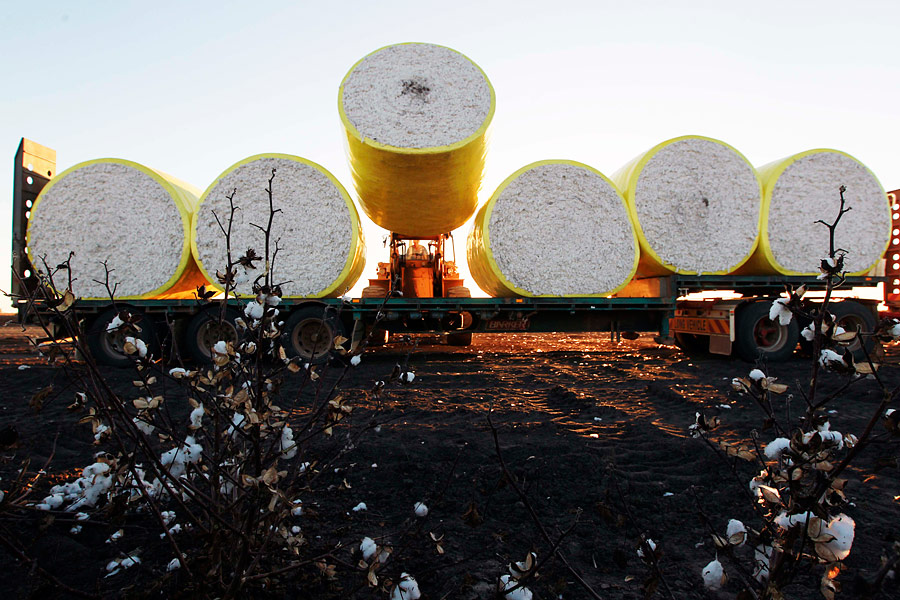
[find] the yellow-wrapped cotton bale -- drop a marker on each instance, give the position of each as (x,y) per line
(805,188)
(416,119)
(696,205)
(553,228)
(135,219)
(321,252)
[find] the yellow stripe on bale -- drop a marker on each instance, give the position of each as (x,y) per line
(353,264)
(867,224)
(653,260)
(483,263)
(416,192)
(186,277)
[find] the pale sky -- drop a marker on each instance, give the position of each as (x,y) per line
(190,88)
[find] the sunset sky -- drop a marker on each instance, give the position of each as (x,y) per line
(190,88)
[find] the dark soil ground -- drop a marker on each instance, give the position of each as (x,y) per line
(595,432)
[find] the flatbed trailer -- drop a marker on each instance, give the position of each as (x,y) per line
(657,304)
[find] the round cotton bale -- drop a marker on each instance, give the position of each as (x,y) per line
(135,219)
(696,204)
(553,228)
(804,188)
(321,252)
(416,119)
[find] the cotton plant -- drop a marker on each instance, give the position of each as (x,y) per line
(798,495)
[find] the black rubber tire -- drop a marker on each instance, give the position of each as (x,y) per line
(850,315)
(309,333)
(459,339)
(106,347)
(757,337)
(204,330)
(691,343)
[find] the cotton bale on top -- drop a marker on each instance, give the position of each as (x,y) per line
(416,119)
(320,248)
(804,188)
(134,219)
(553,228)
(696,205)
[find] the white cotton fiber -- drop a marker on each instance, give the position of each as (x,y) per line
(803,189)
(320,247)
(697,203)
(117,211)
(416,96)
(554,228)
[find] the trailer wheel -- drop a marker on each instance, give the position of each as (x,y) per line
(691,343)
(309,333)
(756,336)
(107,347)
(459,339)
(205,329)
(851,316)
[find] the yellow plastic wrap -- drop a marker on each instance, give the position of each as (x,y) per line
(626,178)
(764,261)
(356,257)
(187,277)
(483,264)
(416,192)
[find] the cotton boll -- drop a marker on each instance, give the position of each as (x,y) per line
(714,575)
(144,427)
(420,509)
(355,360)
(777,447)
(762,556)
(360,507)
(757,374)
(168,516)
(842,528)
(220,347)
(254,310)
(53,501)
(177,372)
(736,532)
(406,588)
(197,417)
(367,547)
(649,542)
(522,593)
(139,345)
(115,324)
(779,311)
(786,521)
(288,446)
(76,530)
(297,509)
(173,565)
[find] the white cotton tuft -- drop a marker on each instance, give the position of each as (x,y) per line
(829,356)
(139,344)
(407,377)
(144,427)
(173,565)
(288,446)
(355,360)
(368,547)
(762,556)
(736,532)
(406,589)
(220,347)
(843,528)
(714,575)
(780,312)
(360,507)
(420,509)
(522,593)
(649,542)
(197,417)
(757,374)
(786,521)
(777,447)
(254,310)
(115,324)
